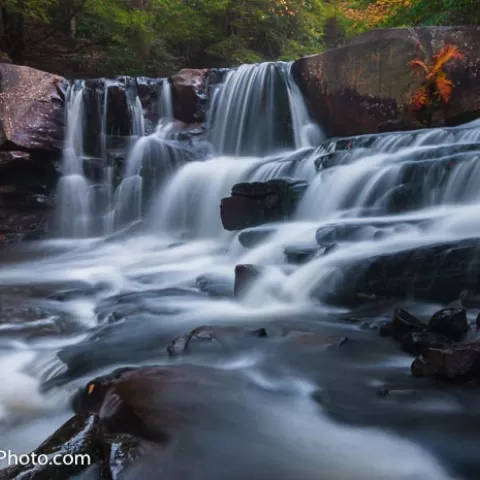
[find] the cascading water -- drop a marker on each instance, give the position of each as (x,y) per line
(259,109)
(119,300)
(97,194)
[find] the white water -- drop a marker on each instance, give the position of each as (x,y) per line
(185,240)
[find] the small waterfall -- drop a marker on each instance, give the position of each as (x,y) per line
(74,192)
(108,173)
(259,109)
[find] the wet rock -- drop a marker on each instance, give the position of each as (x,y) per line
(300,255)
(245,276)
(121,453)
(362,87)
(469,300)
(314,340)
(27,183)
(189,90)
(31,108)
(81,435)
(385,329)
(152,402)
(149,93)
(459,363)
(417,342)
(333,159)
(253,204)
(397,392)
(329,235)
(433,273)
(404,323)
(450,322)
(220,336)
(251,237)
(215,285)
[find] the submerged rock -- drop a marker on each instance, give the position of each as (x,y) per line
(250,237)
(253,204)
(221,336)
(299,255)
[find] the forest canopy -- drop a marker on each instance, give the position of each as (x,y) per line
(156,37)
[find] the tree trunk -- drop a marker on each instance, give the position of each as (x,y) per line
(12,35)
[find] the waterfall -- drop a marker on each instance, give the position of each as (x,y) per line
(108,173)
(259,109)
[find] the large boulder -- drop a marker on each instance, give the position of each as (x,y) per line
(31,108)
(367,85)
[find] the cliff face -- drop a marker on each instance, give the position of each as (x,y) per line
(366,86)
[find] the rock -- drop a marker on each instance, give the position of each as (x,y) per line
(208,335)
(31,108)
(251,237)
(366,86)
(450,322)
(299,255)
(404,323)
(460,363)
(81,435)
(314,340)
(152,402)
(385,329)
(469,300)
(215,285)
(189,90)
(432,273)
(329,235)
(27,182)
(417,342)
(253,204)
(397,392)
(149,92)
(245,276)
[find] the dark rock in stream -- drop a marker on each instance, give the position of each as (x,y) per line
(450,322)
(417,342)
(251,237)
(221,336)
(404,323)
(253,204)
(245,276)
(151,402)
(432,273)
(215,285)
(457,363)
(299,255)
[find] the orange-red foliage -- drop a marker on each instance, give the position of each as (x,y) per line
(436,81)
